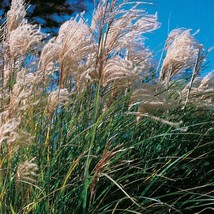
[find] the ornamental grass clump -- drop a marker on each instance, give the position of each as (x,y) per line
(87,125)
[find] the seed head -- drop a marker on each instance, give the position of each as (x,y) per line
(56,98)
(16,14)
(8,131)
(27,171)
(24,37)
(182,53)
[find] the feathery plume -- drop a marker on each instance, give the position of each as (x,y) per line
(120,36)
(74,44)
(55,98)
(128,30)
(8,131)
(140,56)
(22,38)
(202,91)
(27,171)
(208,81)
(182,53)
(117,69)
(24,91)
(87,72)
(148,102)
(49,54)
(98,15)
(16,14)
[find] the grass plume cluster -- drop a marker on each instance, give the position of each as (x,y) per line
(87,125)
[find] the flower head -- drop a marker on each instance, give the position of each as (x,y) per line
(182,53)
(56,98)
(27,171)
(25,36)
(16,14)
(8,131)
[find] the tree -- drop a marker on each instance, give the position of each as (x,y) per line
(50,14)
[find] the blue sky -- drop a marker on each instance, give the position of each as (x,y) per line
(191,14)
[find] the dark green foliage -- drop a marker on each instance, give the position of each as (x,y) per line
(50,14)
(152,167)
